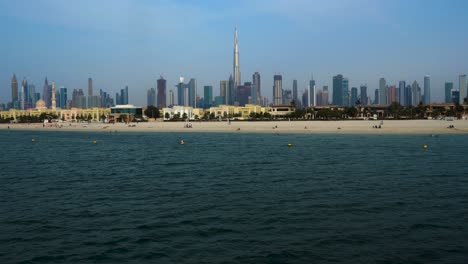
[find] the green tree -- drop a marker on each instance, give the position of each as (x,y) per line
(152,111)
(167,115)
(395,110)
(351,111)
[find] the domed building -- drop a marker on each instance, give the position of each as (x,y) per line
(40,104)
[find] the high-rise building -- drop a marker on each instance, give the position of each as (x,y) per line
(54,103)
(90,86)
(223,90)
(345,87)
(416,93)
(312,92)
(338,90)
(236,67)
(231,90)
(24,96)
(462,88)
(354,96)
(305,98)
(63,97)
(402,93)
(382,91)
(448,92)
(46,93)
(325,95)
(171,98)
(256,84)
(277,90)
(376,97)
(151,97)
(427,89)
(287,97)
(180,92)
(295,98)
(124,95)
(455,96)
(364,98)
(392,94)
(408,95)
(208,96)
(14,89)
(161,86)
(192,92)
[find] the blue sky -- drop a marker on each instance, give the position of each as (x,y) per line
(123,42)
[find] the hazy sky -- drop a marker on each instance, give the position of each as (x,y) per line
(124,42)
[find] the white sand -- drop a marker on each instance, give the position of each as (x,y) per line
(338,127)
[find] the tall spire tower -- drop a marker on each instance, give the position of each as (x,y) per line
(236,70)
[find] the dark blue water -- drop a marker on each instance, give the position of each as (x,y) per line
(232,198)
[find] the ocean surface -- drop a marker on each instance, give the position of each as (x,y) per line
(232,198)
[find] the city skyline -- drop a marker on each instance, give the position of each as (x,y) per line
(374,51)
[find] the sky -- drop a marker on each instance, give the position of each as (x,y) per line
(126,42)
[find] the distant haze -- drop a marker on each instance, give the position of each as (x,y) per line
(124,42)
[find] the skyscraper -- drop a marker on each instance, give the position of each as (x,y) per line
(24,94)
(416,93)
(338,90)
(53,96)
(448,92)
(462,88)
(151,97)
(236,69)
(277,90)
(171,98)
(63,97)
(192,92)
(312,92)
(208,96)
(364,99)
(392,94)
(402,93)
(180,91)
(223,90)
(90,86)
(46,93)
(354,96)
(14,89)
(295,98)
(376,96)
(382,91)
(124,95)
(345,87)
(231,90)
(408,95)
(256,85)
(325,95)
(161,86)
(427,89)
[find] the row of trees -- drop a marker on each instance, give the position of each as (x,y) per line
(394,111)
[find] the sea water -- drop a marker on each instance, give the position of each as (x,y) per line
(232,198)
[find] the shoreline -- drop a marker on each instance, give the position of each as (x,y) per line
(284,127)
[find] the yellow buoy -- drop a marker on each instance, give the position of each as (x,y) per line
(94,141)
(289,145)
(424,146)
(33,140)
(182,142)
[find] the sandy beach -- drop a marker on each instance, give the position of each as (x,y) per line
(338,127)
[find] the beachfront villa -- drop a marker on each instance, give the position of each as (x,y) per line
(179,111)
(240,112)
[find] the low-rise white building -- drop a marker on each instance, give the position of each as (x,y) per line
(177,110)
